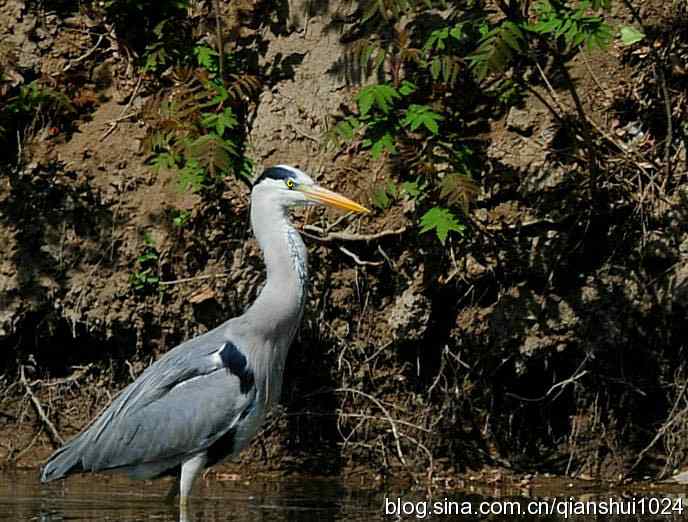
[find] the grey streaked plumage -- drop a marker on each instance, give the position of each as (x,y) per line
(203,400)
(125,436)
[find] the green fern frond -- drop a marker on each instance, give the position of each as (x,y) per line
(212,153)
(381,96)
(574,25)
(496,49)
(244,86)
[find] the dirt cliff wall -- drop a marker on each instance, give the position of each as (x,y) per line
(551,337)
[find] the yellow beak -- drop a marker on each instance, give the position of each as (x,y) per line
(332,199)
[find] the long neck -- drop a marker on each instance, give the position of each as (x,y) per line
(277,311)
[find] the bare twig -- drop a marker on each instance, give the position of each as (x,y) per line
(670,122)
(78,374)
(20,453)
(196,278)
(346,236)
(526,224)
(590,71)
(220,44)
(548,105)
(54,434)
(377,352)
(576,375)
(85,55)
(358,260)
(584,120)
(305,134)
(552,92)
(385,412)
(431,463)
(121,117)
(624,147)
(132,373)
(671,419)
(662,82)
(392,265)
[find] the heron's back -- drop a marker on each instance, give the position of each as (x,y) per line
(187,402)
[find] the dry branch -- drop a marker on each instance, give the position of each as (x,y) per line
(195,278)
(387,415)
(358,260)
(347,236)
(54,434)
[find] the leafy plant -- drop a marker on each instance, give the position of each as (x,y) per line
(384,196)
(409,115)
(30,106)
(417,115)
(630,35)
(34,95)
(197,128)
(573,24)
(160,32)
(496,48)
(441,221)
(426,57)
(180,218)
(380,96)
(145,277)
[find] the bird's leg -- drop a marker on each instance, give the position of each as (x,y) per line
(190,470)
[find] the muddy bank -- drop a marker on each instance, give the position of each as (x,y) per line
(550,338)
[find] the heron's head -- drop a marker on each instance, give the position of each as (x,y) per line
(290,187)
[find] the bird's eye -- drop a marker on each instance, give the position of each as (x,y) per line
(290,184)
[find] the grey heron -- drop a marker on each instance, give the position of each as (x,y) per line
(204,400)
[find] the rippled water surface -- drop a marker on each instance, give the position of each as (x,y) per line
(100,497)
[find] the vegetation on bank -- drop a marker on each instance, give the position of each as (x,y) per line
(538,339)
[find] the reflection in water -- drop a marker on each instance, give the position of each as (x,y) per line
(103,497)
(112,497)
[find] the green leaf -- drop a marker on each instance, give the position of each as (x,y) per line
(219,122)
(384,143)
(346,128)
(191,177)
(381,199)
(442,221)
(435,68)
(245,168)
(496,49)
(407,88)
(436,39)
(380,95)
(164,161)
(221,95)
(456,32)
(206,57)
(631,35)
(181,218)
(212,153)
(417,115)
(412,188)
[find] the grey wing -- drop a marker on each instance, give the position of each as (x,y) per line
(181,405)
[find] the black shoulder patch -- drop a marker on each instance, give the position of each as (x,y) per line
(236,363)
(274,173)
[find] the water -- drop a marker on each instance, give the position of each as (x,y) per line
(98,497)
(111,497)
